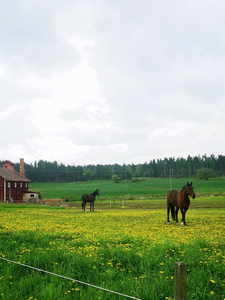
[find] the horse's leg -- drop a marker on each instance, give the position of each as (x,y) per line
(93,204)
(176,213)
(184,220)
(183,212)
(172,207)
(83,204)
(184,217)
(168,213)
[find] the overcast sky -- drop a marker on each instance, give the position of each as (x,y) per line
(103,82)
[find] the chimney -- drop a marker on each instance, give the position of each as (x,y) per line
(9,165)
(22,167)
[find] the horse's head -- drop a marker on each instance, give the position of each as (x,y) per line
(189,190)
(97,192)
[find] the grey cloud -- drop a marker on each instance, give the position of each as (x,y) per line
(31,42)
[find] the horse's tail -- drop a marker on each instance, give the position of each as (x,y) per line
(82,204)
(173,212)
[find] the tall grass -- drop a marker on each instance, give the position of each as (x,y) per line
(129,251)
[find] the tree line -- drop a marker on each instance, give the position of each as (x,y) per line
(45,171)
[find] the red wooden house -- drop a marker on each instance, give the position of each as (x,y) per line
(13,184)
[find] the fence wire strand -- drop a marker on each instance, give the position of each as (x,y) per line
(64,277)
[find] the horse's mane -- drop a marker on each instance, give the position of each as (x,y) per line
(95,192)
(183,188)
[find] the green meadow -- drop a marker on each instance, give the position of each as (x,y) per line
(145,187)
(145,193)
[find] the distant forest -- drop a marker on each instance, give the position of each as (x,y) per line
(45,171)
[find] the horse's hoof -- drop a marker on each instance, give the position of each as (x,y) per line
(181,224)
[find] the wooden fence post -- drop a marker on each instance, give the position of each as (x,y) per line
(180,281)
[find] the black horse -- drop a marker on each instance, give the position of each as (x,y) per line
(179,200)
(89,198)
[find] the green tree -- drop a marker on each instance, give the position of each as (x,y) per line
(205,173)
(115,178)
(138,171)
(88,175)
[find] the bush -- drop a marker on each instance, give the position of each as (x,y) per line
(115,178)
(205,173)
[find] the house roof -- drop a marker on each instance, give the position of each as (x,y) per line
(8,175)
(30,192)
(8,161)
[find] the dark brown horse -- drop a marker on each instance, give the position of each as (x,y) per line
(89,198)
(181,201)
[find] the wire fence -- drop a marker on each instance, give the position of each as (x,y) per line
(71,279)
